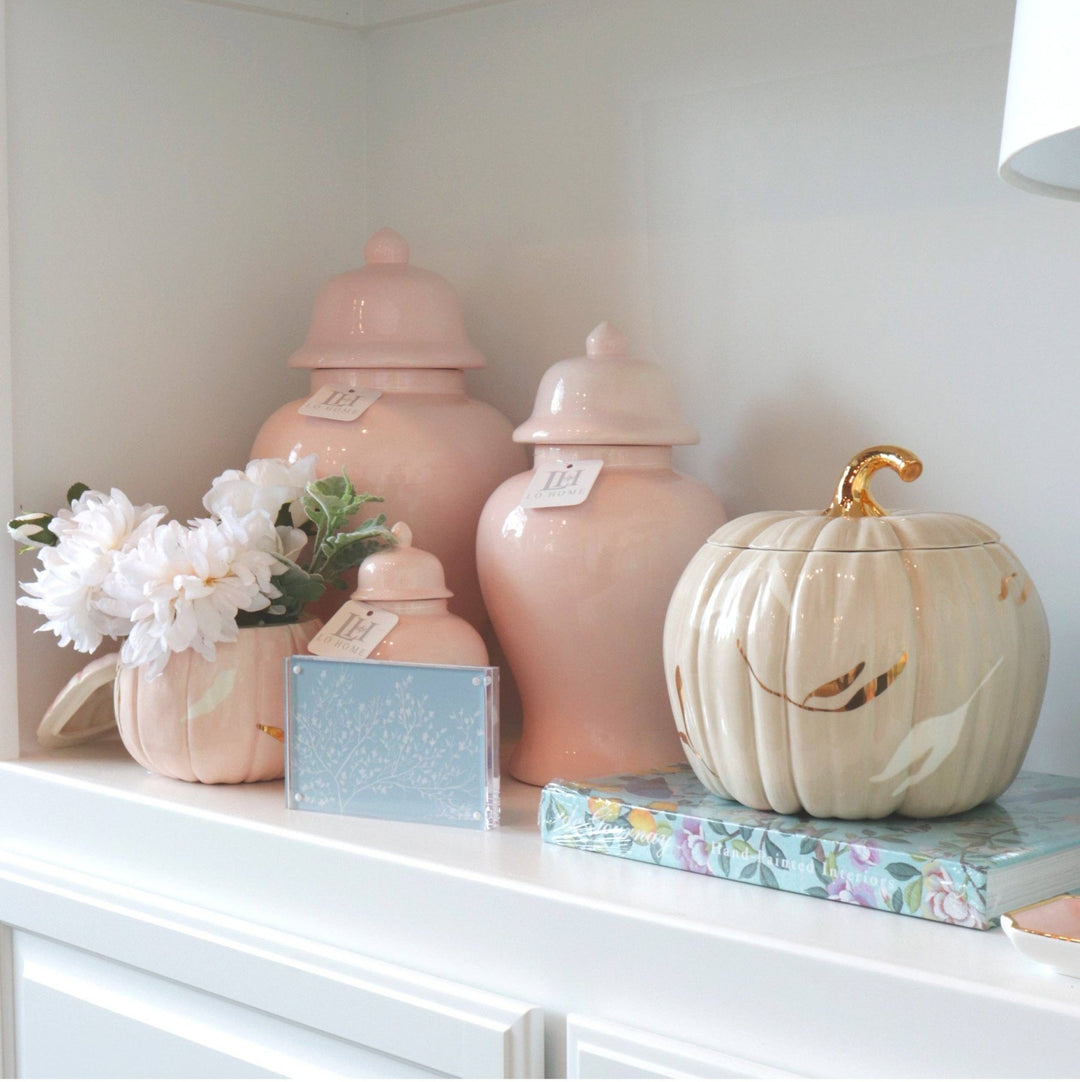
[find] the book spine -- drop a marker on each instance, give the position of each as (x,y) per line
(895,880)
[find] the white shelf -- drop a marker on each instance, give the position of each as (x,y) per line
(502,911)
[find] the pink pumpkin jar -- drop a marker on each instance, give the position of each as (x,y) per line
(433,453)
(213,721)
(578,594)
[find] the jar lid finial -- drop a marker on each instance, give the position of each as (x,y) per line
(386,245)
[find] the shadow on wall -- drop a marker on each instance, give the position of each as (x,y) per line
(788,450)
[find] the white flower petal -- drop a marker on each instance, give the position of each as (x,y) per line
(266,484)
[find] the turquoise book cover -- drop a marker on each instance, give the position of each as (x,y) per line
(964,869)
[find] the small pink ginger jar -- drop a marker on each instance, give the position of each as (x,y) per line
(433,453)
(578,594)
(410,583)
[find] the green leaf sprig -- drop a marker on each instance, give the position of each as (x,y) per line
(329,503)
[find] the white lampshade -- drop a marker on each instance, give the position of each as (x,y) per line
(1040,137)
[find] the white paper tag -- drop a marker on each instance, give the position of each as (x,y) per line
(339,403)
(353,631)
(562,484)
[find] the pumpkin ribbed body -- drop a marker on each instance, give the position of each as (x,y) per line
(856,667)
(199,720)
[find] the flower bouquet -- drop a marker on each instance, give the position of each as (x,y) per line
(205,610)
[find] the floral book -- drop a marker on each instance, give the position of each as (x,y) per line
(964,869)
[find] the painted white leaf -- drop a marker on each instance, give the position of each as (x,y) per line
(945,730)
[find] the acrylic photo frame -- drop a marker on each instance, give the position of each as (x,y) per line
(393,740)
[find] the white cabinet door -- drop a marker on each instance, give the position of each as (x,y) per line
(78,1015)
(105,979)
(597,1049)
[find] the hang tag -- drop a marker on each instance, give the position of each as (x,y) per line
(562,484)
(353,631)
(339,403)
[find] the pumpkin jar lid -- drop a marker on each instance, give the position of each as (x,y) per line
(854,521)
(83,709)
(606,397)
(401,573)
(387,314)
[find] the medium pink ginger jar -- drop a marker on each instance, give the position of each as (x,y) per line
(578,594)
(410,583)
(433,453)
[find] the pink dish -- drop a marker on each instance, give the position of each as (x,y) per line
(1048,932)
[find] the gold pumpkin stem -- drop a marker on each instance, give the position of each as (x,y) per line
(852,498)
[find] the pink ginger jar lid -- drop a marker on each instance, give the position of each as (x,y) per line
(606,397)
(401,573)
(387,314)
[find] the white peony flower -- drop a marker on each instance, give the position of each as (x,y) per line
(109,522)
(267,484)
(290,542)
(256,529)
(182,587)
(69,588)
(107,568)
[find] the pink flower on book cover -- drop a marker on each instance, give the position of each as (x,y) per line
(691,848)
(948,902)
(864,854)
(843,890)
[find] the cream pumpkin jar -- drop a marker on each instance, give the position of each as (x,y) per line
(853,663)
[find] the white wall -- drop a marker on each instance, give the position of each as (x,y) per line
(792,203)
(9,726)
(183,177)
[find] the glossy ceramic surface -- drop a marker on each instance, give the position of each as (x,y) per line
(1048,932)
(207,721)
(409,583)
(401,573)
(856,667)
(606,397)
(432,452)
(577,596)
(83,709)
(387,314)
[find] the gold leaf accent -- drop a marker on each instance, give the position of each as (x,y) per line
(871,690)
(877,686)
(1025,590)
(272,730)
(682,706)
(835,687)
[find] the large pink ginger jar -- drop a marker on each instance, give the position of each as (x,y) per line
(213,721)
(577,594)
(433,453)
